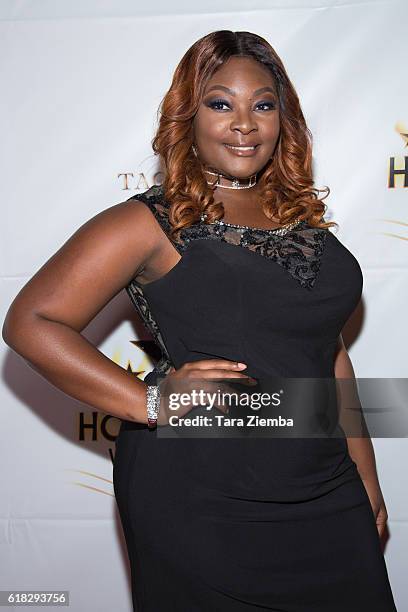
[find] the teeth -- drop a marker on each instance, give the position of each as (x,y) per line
(240,148)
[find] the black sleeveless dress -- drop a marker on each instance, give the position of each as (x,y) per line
(249,523)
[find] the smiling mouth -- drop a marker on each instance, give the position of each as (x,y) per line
(240,148)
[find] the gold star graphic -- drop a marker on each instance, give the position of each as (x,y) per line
(402,131)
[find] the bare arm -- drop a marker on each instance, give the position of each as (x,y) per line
(361,448)
(45,320)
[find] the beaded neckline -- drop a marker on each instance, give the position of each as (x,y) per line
(280,231)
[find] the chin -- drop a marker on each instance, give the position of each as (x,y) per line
(240,171)
(243,174)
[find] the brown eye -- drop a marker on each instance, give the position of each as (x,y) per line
(271,105)
(214,103)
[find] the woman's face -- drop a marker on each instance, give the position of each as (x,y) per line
(239,107)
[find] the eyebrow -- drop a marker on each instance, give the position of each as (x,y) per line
(256,93)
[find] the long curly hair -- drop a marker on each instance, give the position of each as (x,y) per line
(286,185)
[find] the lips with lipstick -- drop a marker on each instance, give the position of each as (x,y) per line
(243,150)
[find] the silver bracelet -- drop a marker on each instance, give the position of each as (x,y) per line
(153,404)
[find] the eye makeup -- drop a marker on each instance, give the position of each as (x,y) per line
(219,101)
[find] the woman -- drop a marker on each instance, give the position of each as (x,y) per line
(234,271)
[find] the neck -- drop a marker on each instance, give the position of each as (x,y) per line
(218,179)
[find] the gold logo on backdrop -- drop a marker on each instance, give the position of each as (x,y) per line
(391,234)
(93,477)
(138,181)
(397,179)
(398,166)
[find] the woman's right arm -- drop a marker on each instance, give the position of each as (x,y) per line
(45,320)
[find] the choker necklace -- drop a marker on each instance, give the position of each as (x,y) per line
(236,182)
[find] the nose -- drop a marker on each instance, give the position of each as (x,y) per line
(244,121)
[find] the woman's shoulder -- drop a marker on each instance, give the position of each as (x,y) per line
(153,198)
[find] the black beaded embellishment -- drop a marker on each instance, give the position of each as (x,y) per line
(135,292)
(298,250)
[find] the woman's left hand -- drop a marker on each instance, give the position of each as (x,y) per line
(377,504)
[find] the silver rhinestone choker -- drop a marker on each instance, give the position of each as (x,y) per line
(236,183)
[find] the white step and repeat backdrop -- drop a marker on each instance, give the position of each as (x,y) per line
(81,83)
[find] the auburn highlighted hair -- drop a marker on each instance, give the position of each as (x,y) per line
(286,186)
